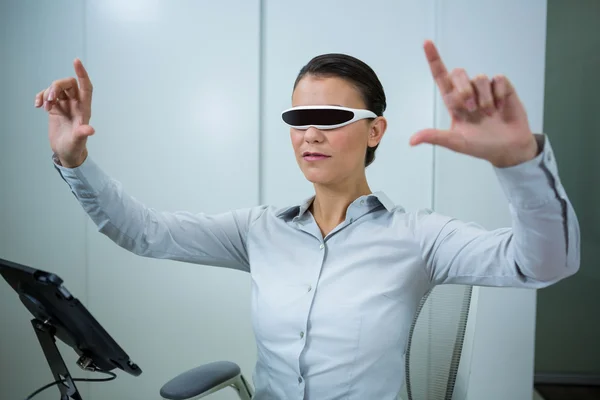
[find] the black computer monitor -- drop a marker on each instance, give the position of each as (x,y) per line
(57,313)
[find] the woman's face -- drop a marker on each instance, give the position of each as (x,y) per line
(342,149)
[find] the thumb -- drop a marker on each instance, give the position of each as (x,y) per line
(450,139)
(83,131)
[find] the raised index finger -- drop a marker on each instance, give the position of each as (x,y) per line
(438,69)
(85,84)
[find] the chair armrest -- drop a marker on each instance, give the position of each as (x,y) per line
(200,380)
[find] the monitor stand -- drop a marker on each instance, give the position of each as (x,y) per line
(58,315)
(45,334)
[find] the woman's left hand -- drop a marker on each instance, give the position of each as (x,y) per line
(488,119)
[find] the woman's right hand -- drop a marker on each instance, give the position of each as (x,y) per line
(69,107)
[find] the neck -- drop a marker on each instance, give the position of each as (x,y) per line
(331,201)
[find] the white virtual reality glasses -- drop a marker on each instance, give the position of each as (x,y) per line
(323,117)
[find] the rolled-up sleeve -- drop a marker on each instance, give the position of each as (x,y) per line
(541,247)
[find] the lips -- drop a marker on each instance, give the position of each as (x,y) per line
(312,154)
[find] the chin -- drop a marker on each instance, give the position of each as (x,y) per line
(319,177)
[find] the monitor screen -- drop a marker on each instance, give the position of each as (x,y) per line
(48,300)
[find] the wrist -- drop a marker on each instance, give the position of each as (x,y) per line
(519,156)
(73,163)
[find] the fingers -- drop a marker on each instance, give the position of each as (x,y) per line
(84,131)
(437,67)
(477,95)
(61,89)
(63,95)
(449,139)
(463,96)
(68,88)
(39,99)
(483,91)
(501,90)
(85,84)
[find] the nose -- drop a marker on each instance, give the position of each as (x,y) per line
(313,135)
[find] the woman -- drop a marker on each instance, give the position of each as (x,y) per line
(336,279)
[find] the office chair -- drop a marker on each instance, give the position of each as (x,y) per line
(435,343)
(432,357)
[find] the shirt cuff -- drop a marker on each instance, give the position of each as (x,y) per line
(533,183)
(86,180)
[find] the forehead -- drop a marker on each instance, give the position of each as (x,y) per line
(317,90)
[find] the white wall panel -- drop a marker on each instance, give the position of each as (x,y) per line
(387,35)
(176,116)
(42,224)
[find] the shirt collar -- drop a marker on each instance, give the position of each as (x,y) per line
(372,201)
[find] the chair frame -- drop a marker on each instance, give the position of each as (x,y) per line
(458,343)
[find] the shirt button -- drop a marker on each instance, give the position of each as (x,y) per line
(362,202)
(301,335)
(299,379)
(309,288)
(321,246)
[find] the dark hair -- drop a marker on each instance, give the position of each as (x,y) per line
(358,74)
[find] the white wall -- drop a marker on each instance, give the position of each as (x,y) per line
(167,77)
